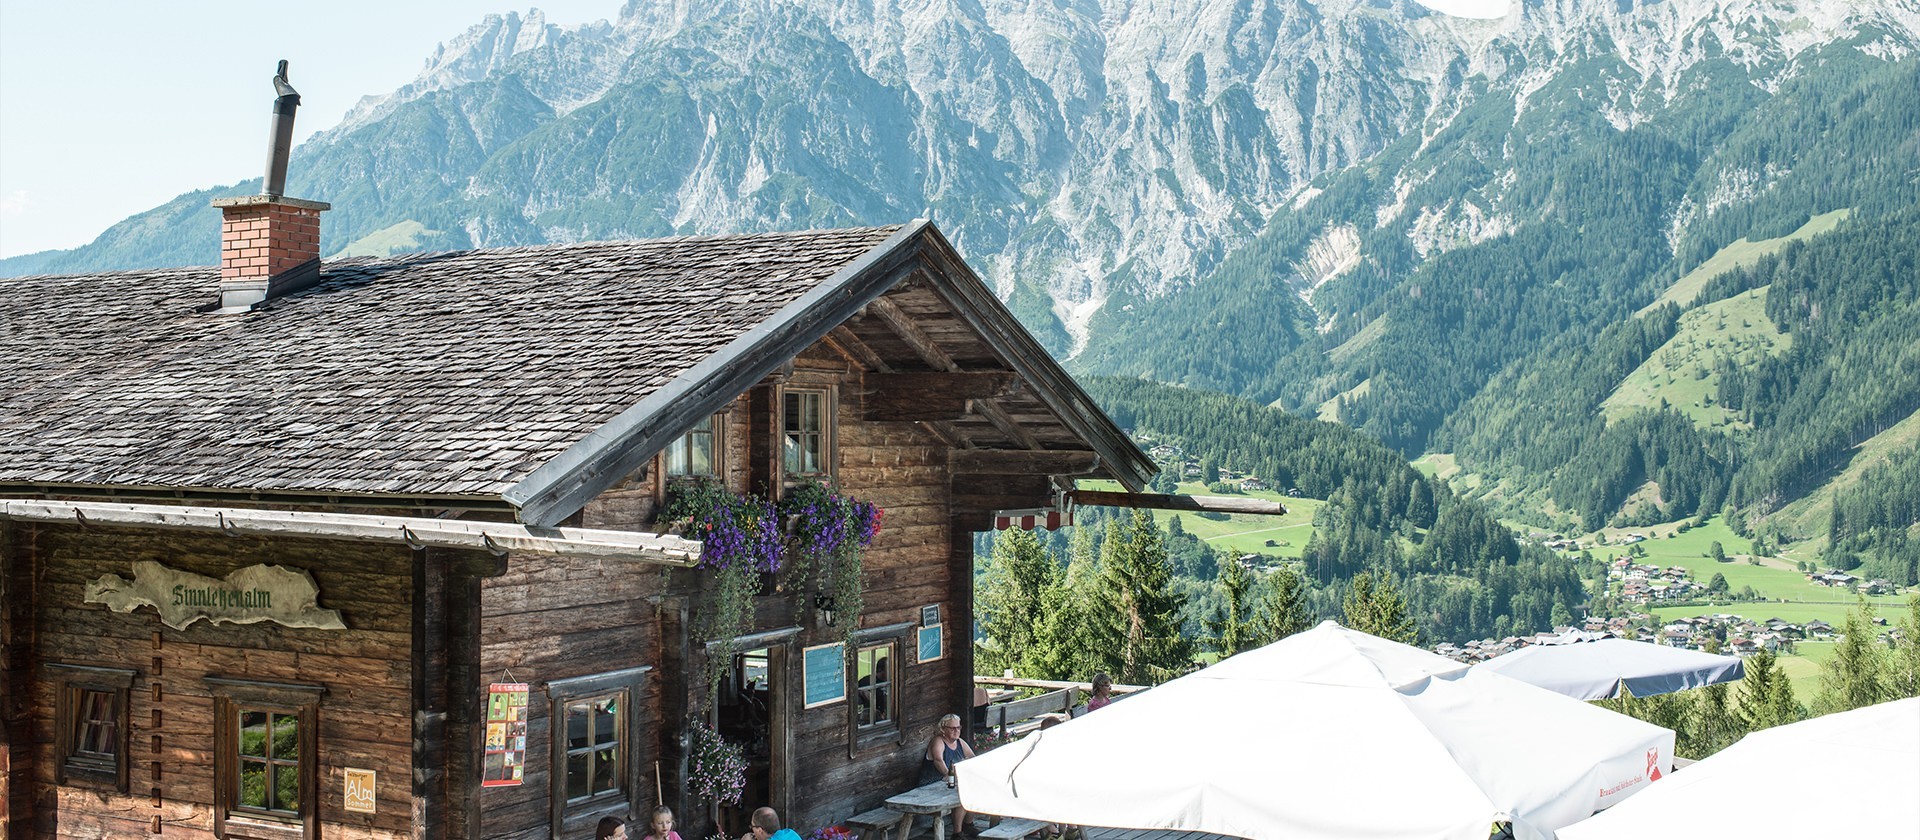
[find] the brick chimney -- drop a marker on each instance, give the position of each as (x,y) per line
(269,244)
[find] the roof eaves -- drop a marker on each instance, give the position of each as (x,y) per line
(974,302)
(562,486)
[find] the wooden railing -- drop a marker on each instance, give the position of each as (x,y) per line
(1024,714)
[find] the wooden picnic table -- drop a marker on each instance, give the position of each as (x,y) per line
(935,799)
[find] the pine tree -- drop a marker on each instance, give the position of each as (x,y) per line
(1854,676)
(1710,724)
(1012,602)
(1904,671)
(1138,613)
(1766,695)
(1232,627)
(1377,607)
(1066,635)
(1283,611)
(1717,552)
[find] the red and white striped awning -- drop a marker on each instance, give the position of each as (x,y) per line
(1027,520)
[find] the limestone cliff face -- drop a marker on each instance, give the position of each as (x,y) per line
(1082,153)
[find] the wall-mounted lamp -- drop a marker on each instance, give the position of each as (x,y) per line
(823,604)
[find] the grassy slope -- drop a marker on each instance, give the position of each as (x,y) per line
(1740,254)
(1807,516)
(1330,410)
(393,239)
(1680,373)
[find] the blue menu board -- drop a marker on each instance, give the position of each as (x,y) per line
(930,643)
(824,672)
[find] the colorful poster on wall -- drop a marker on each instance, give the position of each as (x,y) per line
(824,669)
(931,646)
(506,745)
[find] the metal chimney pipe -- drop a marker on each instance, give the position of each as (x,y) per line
(280,144)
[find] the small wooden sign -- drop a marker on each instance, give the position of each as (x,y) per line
(359,791)
(824,669)
(505,754)
(929,615)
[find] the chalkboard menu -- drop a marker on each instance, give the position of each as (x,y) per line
(825,674)
(931,646)
(506,751)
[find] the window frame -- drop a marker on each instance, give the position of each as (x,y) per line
(860,693)
(717,465)
(71,683)
(231,699)
(624,801)
(828,432)
(890,732)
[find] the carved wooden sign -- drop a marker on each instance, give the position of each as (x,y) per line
(247,596)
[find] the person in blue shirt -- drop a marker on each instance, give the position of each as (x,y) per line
(766,826)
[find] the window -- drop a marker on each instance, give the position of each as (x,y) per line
(697,452)
(91,714)
(875,683)
(873,686)
(595,740)
(806,434)
(264,760)
(594,721)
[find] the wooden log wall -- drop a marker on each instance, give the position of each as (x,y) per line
(551,618)
(897,465)
(16,648)
(364,718)
(902,468)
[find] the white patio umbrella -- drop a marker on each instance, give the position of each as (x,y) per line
(1755,788)
(1595,669)
(1328,733)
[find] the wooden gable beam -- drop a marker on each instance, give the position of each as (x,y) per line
(1159,501)
(848,345)
(1022,461)
(902,325)
(1003,421)
(895,397)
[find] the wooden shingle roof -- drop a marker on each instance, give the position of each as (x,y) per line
(530,378)
(443,374)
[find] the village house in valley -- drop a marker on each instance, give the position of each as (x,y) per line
(373,548)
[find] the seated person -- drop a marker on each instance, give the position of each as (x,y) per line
(945,749)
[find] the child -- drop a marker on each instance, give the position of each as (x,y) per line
(662,825)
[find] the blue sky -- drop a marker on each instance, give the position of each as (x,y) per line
(111,108)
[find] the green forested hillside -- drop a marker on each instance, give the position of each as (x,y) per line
(1462,572)
(1534,351)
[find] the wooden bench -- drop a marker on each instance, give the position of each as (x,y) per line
(1014,829)
(876,824)
(1019,716)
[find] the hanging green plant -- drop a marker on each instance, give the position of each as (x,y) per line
(819,552)
(740,538)
(827,538)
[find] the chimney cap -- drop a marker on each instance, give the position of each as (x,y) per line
(257,200)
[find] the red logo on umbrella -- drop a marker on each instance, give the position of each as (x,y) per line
(1653,764)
